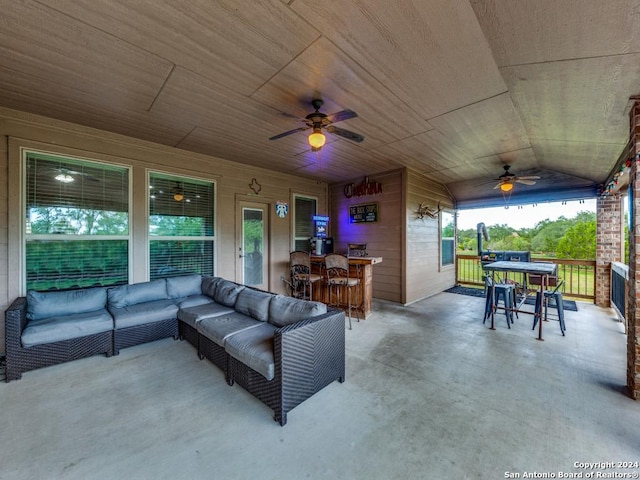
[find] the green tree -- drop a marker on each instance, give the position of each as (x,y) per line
(579,242)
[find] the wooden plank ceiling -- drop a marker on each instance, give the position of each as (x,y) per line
(453,89)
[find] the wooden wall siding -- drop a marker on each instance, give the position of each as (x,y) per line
(4,242)
(232,180)
(384,238)
(424,275)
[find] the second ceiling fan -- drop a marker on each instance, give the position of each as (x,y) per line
(319,121)
(508,179)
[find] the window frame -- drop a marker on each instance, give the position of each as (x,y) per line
(150,238)
(442,238)
(24,237)
(294,197)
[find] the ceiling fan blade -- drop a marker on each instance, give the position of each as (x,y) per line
(525,181)
(290,132)
(529,177)
(498,185)
(340,116)
(349,135)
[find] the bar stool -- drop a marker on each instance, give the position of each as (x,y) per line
(337,267)
(301,276)
(495,292)
(556,296)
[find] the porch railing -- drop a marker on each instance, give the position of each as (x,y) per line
(578,275)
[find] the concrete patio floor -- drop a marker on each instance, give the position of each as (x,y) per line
(431,393)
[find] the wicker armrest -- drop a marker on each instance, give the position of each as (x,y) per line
(313,345)
(15,322)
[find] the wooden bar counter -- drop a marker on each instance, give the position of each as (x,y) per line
(359,267)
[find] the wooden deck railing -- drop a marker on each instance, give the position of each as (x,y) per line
(578,275)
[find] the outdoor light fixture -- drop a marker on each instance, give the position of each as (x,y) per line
(64,178)
(317,139)
(178,194)
(506,186)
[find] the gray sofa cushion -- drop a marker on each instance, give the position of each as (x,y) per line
(287,310)
(209,285)
(218,329)
(56,304)
(193,301)
(227,292)
(184,286)
(254,348)
(192,315)
(127,295)
(254,303)
(141,313)
(57,328)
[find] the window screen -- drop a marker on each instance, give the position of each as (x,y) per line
(76,223)
(447,238)
(304,210)
(181,226)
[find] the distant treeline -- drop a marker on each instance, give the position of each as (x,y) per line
(573,238)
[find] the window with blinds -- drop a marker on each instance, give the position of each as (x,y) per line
(76,225)
(303,210)
(181,226)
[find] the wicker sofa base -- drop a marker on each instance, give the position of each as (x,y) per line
(309,355)
(148,332)
(24,359)
(214,353)
(188,333)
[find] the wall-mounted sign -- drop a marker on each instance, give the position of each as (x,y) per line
(364,188)
(322,225)
(364,213)
(282,208)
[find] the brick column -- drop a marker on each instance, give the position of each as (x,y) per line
(609,244)
(633,300)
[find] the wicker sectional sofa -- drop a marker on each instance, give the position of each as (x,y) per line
(280,349)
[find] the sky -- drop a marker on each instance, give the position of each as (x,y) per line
(525,216)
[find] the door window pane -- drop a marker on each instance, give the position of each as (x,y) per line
(253,242)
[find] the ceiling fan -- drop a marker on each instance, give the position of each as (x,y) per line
(66,174)
(319,121)
(508,179)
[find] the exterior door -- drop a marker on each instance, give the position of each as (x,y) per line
(252,244)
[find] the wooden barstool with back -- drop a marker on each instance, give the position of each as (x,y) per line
(302,279)
(338,280)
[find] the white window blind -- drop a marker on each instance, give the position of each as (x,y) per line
(304,210)
(76,223)
(181,226)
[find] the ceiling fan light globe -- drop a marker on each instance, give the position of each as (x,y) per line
(64,178)
(506,187)
(317,140)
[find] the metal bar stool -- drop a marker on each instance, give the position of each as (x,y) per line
(301,276)
(337,268)
(496,291)
(556,296)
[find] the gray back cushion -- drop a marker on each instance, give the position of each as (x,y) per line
(227,292)
(127,295)
(55,304)
(184,286)
(209,285)
(254,303)
(287,310)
